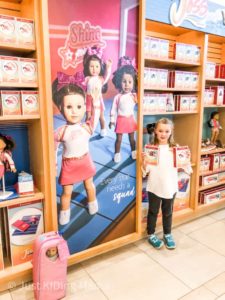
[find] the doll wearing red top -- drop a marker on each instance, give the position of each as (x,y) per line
(96,74)
(215,126)
(6,161)
(122,111)
(77,164)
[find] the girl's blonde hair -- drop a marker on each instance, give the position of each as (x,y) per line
(166,121)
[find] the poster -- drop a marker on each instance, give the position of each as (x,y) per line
(100,206)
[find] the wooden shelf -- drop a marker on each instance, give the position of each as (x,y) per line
(169,62)
(216,204)
(206,187)
(37,196)
(215,80)
(18,85)
(211,172)
(170,113)
(213,105)
(217,150)
(17,48)
(19,118)
(170,89)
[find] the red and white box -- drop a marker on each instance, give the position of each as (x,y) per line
(25,31)
(28,70)
(193,102)
(176,79)
(9,69)
(209,179)
(154,47)
(194,80)
(218,94)
(182,156)
(209,96)
(196,53)
(162,75)
(214,161)
(210,70)
(10,103)
(204,164)
(179,51)
(153,77)
(221,176)
(220,71)
(162,98)
(164,49)
(222,160)
(8,29)
(152,154)
(182,103)
(30,102)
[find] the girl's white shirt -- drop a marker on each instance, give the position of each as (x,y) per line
(123,105)
(163,178)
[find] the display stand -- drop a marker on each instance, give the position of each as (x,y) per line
(4,194)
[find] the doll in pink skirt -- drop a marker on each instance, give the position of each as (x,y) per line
(122,111)
(6,161)
(77,164)
(97,73)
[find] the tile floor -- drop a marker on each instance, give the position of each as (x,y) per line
(193,271)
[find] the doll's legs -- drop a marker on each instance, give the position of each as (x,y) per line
(91,196)
(117,156)
(102,123)
(132,145)
(64,215)
(214,135)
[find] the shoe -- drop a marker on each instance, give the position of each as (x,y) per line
(117,158)
(134,154)
(169,241)
(103,132)
(64,217)
(93,207)
(155,241)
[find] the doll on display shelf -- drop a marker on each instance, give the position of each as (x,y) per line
(97,73)
(215,126)
(77,164)
(6,161)
(122,111)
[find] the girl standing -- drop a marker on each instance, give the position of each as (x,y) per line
(77,164)
(96,74)
(122,111)
(162,184)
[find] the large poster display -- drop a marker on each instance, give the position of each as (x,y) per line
(93,47)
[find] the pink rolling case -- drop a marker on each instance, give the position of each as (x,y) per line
(49,277)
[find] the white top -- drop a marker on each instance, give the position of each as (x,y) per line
(163,178)
(123,105)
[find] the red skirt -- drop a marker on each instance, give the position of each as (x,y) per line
(75,170)
(2,170)
(125,124)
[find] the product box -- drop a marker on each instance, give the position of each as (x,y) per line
(10,103)
(30,102)
(176,79)
(221,176)
(182,156)
(164,49)
(218,94)
(146,46)
(22,236)
(154,47)
(25,31)
(25,185)
(179,51)
(146,77)
(153,77)
(193,102)
(214,161)
(209,96)
(209,179)
(162,76)
(28,70)
(9,68)
(222,160)
(8,29)
(204,164)
(210,70)
(152,154)
(162,103)
(194,80)
(170,104)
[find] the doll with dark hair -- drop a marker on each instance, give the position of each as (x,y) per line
(215,126)
(77,164)
(122,111)
(97,73)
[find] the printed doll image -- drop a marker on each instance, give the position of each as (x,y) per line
(97,73)
(122,111)
(52,253)
(215,126)
(77,164)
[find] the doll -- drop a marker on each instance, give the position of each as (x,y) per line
(96,74)
(52,253)
(77,165)
(215,126)
(122,111)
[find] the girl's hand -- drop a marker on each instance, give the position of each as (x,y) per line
(188,169)
(111,124)
(13,169)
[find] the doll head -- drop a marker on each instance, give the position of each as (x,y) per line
(6,143)
(125,77)
(213,117)
(52,252)
(164,132)
(69,97)
(93,63)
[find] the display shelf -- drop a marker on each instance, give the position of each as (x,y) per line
(19,118)
(213,105)
(170,113)
(217,150)
(169,62)
(17,48)
(213,205)
(211,172)
(37,196)
(217,80)
(170,89)
(18,85)
(206,187)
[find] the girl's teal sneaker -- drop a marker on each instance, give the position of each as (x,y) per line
(155,241)
(169,241)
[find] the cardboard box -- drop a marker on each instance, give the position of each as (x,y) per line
(214,161)
(152,153)
(9,68)
(21,242)
(8,29)
(222,160)
(25,186)
(30,102)
(209,179)
(28,70)
(25,31)
(210,70)
(182,156)
(154,47)
(10,103)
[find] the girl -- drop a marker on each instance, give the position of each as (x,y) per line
(77,164)
(96,74)
(215,126)
(6,161)
(162,184)
(125,80)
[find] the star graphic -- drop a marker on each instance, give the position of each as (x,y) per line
(67,57)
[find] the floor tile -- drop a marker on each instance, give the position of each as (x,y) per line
(23,293)
(221,297)
(217,285)
(191,262)
(201,293)
(219,215)
(196,224)
(212,236)
(75,271)
(5,295)
(135,277)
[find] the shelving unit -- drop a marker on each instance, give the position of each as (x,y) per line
(40,127)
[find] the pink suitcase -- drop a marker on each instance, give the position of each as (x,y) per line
(49,273)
